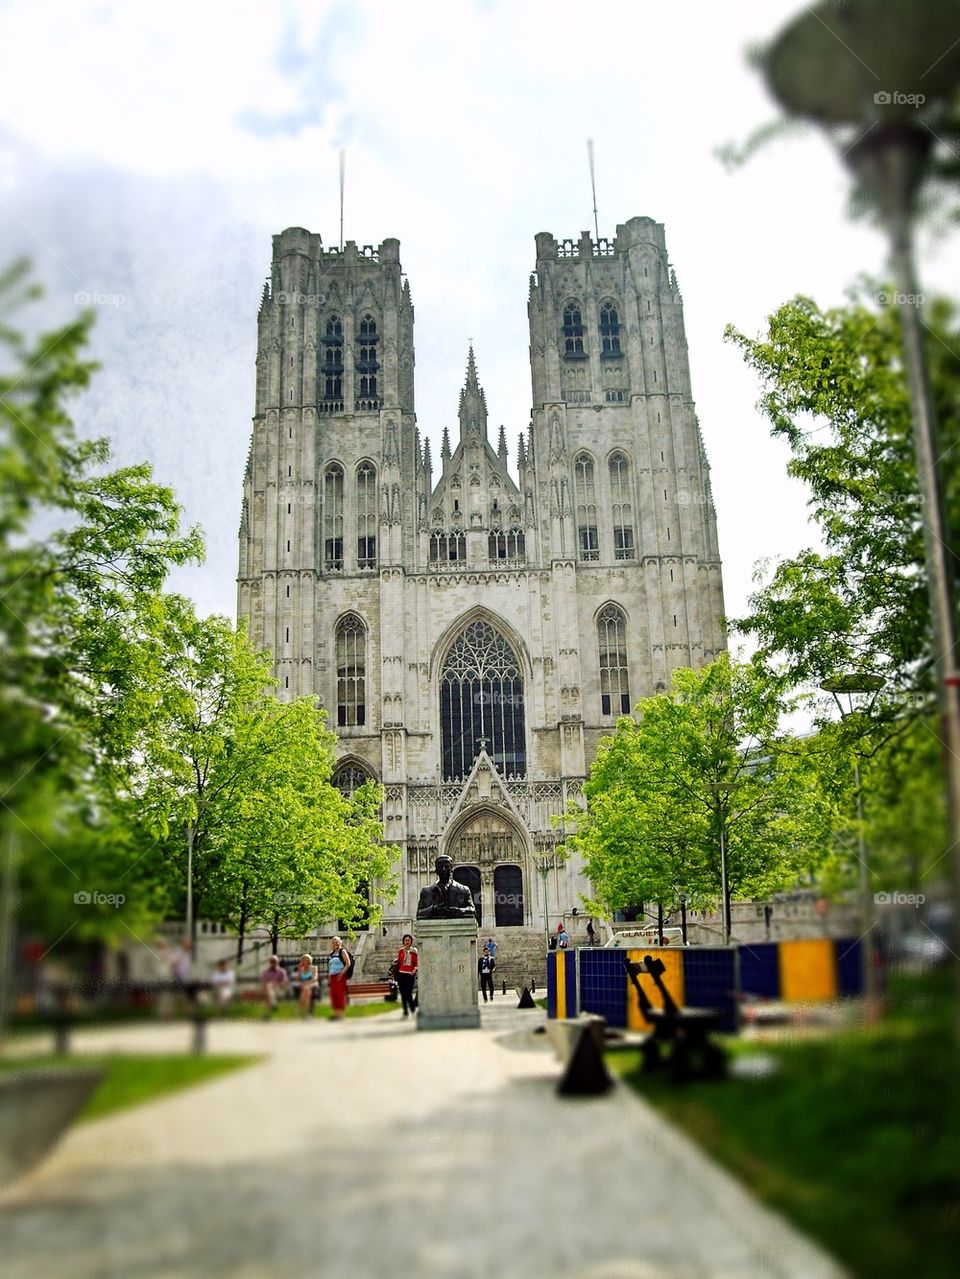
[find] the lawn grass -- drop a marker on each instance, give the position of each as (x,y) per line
(856,1138)
(289,1010)
(133,1079)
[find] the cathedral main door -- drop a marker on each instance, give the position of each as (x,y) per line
(488,853)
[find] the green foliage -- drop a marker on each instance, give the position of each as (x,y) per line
(708,757)
(127,719)
(834,389)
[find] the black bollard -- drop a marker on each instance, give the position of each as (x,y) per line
(526,999)
(504,985)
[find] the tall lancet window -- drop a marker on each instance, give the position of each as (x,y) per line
(366,516)
(572,329)
(332,370)
(367,364)
(585,495)
(609,330)
(614,678)
(621,508)
(481,701)
(351,641)
(333,519)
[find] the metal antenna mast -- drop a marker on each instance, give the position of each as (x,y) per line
(343,158)
(593,187)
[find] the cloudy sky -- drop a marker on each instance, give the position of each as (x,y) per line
(148,152)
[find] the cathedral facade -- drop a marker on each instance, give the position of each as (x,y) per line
(474,630)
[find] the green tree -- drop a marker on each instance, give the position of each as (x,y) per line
(705,764)
(834,389)
(235,787)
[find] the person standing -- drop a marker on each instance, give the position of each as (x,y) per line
(407,960)
(223,982)
(591,932)
(307,979)
(492,947)
(337,972)
(485,968)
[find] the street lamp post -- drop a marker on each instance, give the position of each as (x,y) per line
(859,682)
(543,869)
(889,70)
(721,789)
(683,918)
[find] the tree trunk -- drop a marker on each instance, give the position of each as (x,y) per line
(275,934)
(242,926)
(659,923)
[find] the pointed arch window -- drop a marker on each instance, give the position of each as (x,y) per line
(366,516)
(351,644)
(331,371)
(609,330)
(573,329)
(366,364)
(481,703)
(349,777)
(585,495)
(333,519)
(621,508)
(614,677)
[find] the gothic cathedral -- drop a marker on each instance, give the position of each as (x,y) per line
(474,634)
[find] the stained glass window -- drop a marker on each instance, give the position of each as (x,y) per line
(481,701)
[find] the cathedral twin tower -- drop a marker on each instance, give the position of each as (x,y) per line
(473,635)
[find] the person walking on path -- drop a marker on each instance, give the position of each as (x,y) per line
(273,979)
(491,945)
(337,972)
(485,968)
(406,969)
(307,979)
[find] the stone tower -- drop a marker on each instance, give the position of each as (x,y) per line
(473,638)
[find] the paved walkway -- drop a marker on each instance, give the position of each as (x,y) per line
(367,1149)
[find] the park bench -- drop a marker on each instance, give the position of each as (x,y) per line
(370,989)
(684,1032)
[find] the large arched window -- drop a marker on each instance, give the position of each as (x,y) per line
(332,369)
(614,678)
(572,329)
(586,499)
(366,516)
(609,330)
(621,507)
(481,703)
(351,640)
(367,364)
(333,518)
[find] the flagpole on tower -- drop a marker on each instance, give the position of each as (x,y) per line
(343,158)
(593,187)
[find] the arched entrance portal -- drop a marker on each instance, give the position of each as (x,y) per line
(488,853)
(470,876)
(508,896)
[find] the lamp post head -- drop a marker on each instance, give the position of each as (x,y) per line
(866,62)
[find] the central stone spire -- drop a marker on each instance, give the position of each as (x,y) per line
(473,402)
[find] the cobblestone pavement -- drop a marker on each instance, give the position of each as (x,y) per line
(366,1149)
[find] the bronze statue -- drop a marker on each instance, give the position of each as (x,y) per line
(447,898)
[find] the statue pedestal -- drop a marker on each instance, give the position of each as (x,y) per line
(447,974)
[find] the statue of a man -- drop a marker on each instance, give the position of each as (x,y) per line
(447,898)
